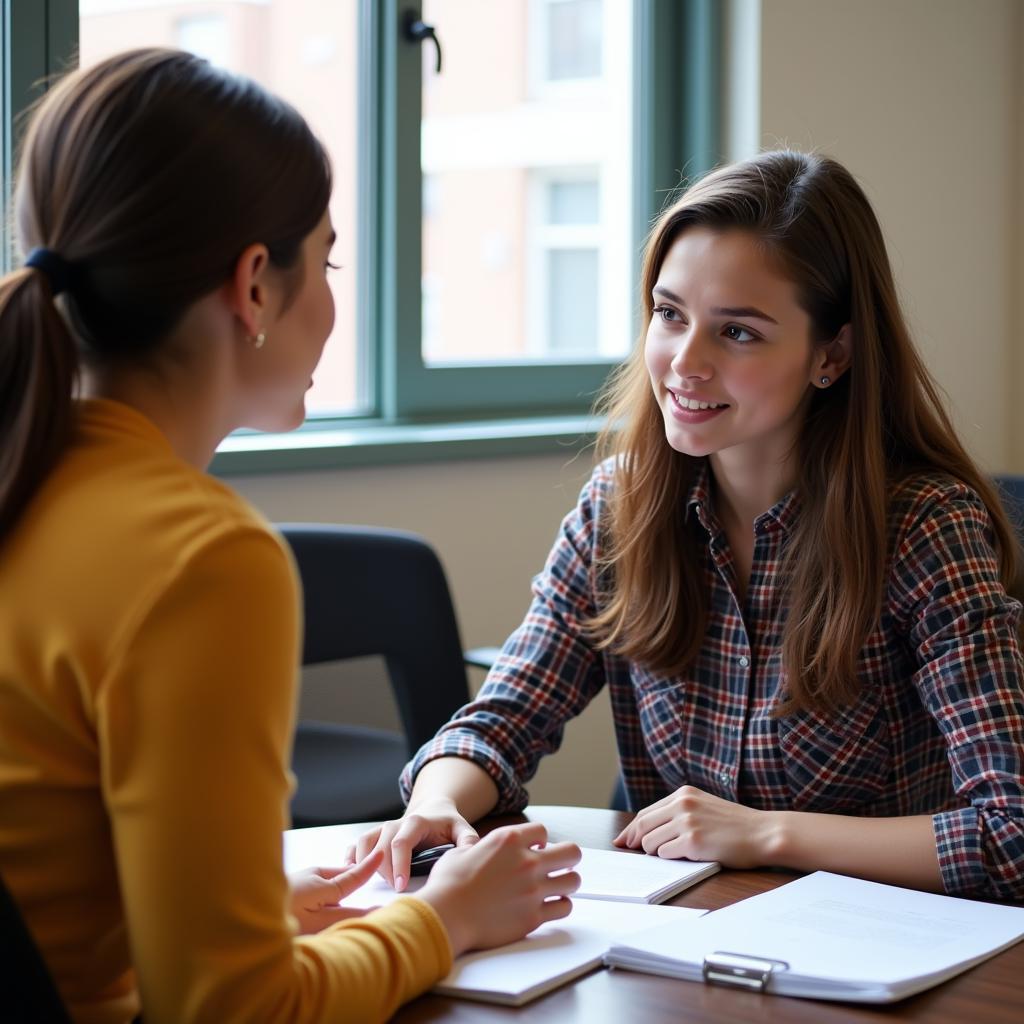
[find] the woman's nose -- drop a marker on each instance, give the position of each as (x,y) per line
(691,358)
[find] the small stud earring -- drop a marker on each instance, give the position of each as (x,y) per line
(825,381)
(260,340)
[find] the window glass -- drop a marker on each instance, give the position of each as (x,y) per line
(525,148)
(574,39)
(572,313)
(304,50)
(574,202)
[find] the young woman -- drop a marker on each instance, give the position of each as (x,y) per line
(149,624)
(789,575)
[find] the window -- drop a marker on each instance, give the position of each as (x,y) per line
(489,216)
(565,254)
(508,265)
(573,42)
(304,50)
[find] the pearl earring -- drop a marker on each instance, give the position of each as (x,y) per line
(825,381)
(260,340)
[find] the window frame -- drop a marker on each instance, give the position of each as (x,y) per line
(421,411)
(46,32)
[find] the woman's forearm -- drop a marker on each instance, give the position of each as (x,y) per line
(458,780)
(899,851)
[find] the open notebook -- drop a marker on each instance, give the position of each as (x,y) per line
(606,874)
(556,952)
(614,900)
(826,936)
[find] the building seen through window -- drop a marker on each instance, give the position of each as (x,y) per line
(525,143)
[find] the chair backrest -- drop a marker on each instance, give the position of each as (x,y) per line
(370,591)
(1011,490)
(28,993)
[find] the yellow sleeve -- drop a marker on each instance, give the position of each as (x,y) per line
(194,724)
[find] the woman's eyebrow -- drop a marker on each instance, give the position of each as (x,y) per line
(749,311)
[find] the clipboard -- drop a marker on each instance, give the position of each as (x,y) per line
(738,970)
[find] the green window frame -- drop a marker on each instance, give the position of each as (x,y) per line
(420,411)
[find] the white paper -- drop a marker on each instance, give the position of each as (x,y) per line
(637,878)
(605,874)
(556,952)
(841,938)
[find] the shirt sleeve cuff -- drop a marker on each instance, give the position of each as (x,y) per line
(958,842)
(435,926)
(512,797)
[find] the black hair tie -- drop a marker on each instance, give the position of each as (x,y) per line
(57,269)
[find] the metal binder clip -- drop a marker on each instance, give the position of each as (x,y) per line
(741,971)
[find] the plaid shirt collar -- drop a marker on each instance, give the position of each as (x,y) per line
(783,515)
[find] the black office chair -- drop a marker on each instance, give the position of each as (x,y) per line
(367,592)
(29,994)
(1011,490)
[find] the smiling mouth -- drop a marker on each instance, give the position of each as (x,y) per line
(692,405)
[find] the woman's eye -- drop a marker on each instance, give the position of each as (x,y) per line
(332,266)
(667,313)
(736,333)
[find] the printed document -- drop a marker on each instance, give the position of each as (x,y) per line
(827,936)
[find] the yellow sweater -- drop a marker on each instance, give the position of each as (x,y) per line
(148,650)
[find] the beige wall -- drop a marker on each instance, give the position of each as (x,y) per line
(492,522)
(920,98)
(923,100)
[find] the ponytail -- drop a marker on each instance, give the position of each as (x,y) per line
(38,371)
(140,180)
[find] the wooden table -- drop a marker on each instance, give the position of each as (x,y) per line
(991,993)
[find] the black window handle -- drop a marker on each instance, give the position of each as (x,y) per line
(416,30)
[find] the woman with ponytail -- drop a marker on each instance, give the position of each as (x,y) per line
(177,235)
(787,571)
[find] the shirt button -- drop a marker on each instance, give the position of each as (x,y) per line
(724,778)
(744,661)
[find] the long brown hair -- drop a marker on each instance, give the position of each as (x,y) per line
(148,175)
(878,424)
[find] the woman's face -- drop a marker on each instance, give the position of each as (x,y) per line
(295,339)
(728,349)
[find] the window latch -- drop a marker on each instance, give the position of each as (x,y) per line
(415,29)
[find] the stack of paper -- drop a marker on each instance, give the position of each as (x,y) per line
(827,936)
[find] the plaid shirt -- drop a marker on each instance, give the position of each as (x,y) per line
(938,727)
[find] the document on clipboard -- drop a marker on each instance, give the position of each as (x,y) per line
(827,936)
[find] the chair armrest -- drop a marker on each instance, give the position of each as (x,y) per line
(481,657)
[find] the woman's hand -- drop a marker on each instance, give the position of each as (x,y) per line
(432,823)
(316,893)
(502,887)
(695,825)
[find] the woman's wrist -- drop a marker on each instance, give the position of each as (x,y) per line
(453,785)
(777,839)
(446,904)
(430,803)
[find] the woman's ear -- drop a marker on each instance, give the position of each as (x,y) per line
(832,359)
(247,291)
